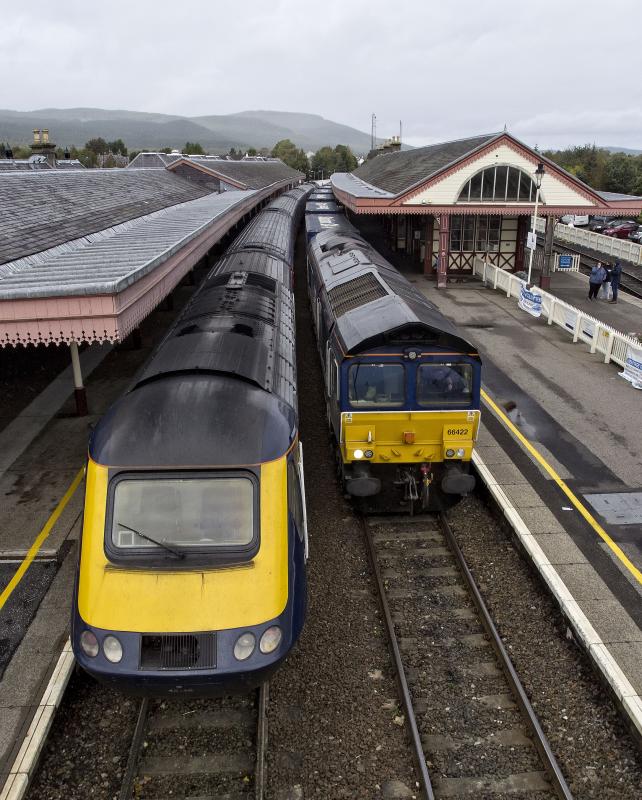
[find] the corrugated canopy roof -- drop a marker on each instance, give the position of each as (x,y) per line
(42,209)
(109,261)
(397,172)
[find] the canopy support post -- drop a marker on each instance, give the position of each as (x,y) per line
(79,390)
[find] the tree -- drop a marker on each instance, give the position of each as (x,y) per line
(117,146)
(620,174)
(252,151)
(234,154)
(345,160)
(193,149)
(97,146)
(291,155)
(324,160)
(341,159)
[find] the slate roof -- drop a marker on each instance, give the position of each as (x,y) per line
(396,172)
(252,174)
(614,196)
(153,160)
(45,208)
(23,164)
(109,261)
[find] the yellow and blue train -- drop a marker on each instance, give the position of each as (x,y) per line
(402,383)
(192,563)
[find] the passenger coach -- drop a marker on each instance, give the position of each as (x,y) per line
(402,383)
(194,541)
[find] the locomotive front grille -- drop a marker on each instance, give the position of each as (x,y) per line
(177,651)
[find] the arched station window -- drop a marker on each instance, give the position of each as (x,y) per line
(500,184)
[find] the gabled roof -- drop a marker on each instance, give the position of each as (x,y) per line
(396,172)
(242,174)
(45,208)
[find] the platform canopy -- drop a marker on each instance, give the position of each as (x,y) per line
(86,255)
(487,174)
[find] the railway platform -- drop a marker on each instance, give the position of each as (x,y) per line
(560,450)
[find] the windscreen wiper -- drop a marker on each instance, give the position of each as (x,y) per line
(169,549)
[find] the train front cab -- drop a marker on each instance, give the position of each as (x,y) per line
(404,416)
(151,623)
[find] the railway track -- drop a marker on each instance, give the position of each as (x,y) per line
(206,749)
(630,281)
(473,729)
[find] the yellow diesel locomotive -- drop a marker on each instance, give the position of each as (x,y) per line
(402,383)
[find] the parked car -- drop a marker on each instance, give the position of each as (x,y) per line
(636,236)
(577,220)
(598,223)
(621,230)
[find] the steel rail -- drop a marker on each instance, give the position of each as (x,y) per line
(548,757)
(418,750)
(134,752)
(260,779)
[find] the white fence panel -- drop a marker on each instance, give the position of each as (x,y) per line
(608,245)
(582,327)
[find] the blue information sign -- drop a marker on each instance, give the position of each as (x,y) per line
(565,262)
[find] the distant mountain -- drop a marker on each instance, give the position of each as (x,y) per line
(628,150)
(217,133)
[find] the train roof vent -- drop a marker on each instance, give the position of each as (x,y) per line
(349,260)
(355,293)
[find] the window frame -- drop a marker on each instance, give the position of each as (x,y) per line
(157,557)
(361,405)
(465,403)
(488,175)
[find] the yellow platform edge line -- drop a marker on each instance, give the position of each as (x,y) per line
(615,549)
(41,538)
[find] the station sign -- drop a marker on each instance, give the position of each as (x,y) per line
(531,240)
(564,261)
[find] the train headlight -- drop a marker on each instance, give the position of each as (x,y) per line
(89,644)
(271,639)
(112,649)
(244,646)
(358,453)
(460,452)
(450,452)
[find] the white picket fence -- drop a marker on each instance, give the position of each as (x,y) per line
(608,245)
(582,327)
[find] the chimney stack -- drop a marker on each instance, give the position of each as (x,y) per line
(42,146)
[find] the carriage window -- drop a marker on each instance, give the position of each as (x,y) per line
(444,384)
(372,385)
(182,513)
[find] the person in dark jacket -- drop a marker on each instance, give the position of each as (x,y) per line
(616,274)
(606,283)
(598,273)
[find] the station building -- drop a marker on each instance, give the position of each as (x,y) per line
(446,204)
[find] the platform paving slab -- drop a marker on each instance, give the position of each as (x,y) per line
(559,548)
(33,419)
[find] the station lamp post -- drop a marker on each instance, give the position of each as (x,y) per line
(539,174)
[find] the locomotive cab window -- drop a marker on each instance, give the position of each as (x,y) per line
(373,385)
(444,384)
(178,516)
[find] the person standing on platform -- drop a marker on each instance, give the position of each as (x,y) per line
(616,274)
(606,283)
(598,273)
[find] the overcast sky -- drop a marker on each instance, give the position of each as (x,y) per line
(555,72)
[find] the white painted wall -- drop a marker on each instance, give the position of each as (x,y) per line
(446,191)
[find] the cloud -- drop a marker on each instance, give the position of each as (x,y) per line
(447,70)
